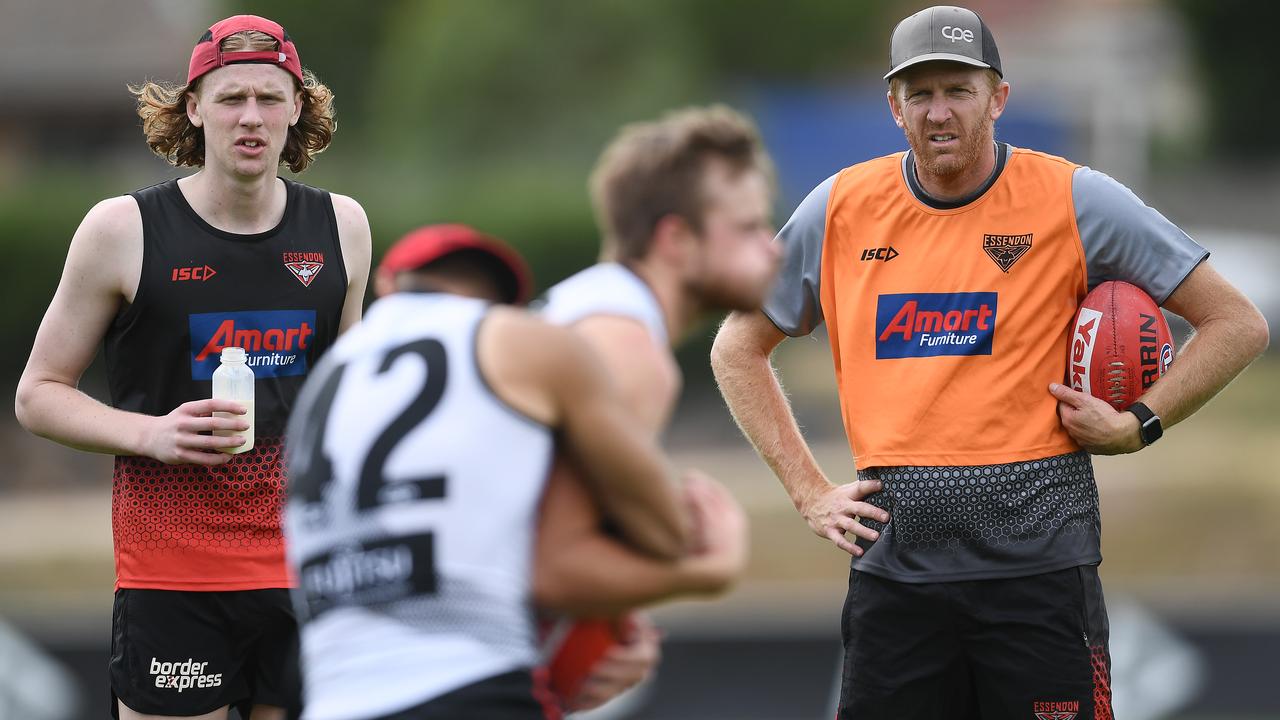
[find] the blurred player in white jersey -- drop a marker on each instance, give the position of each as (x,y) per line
(416,460)
(684,205)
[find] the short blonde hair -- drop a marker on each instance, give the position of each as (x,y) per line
(170,134)
(654,169)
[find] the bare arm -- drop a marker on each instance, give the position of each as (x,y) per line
(354,237)
(740,359)
(553,376)
(1229,334)
(621,463)
(645,373)
(101,272)
(582,570)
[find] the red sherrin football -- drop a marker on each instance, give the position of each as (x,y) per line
(1120,344)
(577,649)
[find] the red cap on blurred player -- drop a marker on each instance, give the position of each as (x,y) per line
(428,244)
(208,54)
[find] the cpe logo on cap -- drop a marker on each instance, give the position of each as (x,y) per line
(943,33)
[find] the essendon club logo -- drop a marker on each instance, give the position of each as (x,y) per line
(1005,250)
(912,325)
(1061,710)
(304,265)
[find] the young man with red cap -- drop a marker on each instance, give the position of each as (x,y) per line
(418,454)
(165,278)
(974,587)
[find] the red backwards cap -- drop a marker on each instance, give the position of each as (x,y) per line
(208,54)
(427,244)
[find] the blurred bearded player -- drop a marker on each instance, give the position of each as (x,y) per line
(683,204)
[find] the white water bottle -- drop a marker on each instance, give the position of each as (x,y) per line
(233,380)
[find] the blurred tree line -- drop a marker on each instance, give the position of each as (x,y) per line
(492,112)
(1232,41)
(488,112)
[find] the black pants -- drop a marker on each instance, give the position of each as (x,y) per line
(1027,647)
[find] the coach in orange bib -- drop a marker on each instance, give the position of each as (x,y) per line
(948,276)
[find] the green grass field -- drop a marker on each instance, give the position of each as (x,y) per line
(1190,520)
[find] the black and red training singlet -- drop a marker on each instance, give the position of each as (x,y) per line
(279,295)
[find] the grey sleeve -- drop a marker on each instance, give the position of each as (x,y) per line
(794,304)
(1124,239)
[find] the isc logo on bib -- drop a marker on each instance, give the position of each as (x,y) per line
(933,324)
(275,341)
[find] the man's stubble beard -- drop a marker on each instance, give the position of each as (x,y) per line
(972,145)
(718,295)
(728,301)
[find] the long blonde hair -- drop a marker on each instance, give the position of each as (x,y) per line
(170,134)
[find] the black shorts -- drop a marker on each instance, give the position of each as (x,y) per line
(517,695)
(189,653)
(1028,647)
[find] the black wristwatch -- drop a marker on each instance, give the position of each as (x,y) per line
(1149,428)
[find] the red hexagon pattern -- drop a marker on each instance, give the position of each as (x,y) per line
(1101,683)
(163,515)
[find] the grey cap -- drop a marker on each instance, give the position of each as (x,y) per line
(943,32)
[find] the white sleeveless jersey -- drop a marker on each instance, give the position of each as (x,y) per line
(411,514)
(605,289)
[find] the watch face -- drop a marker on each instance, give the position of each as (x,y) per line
(1150,430)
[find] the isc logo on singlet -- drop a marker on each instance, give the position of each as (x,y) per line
(912,325)
(275,341)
